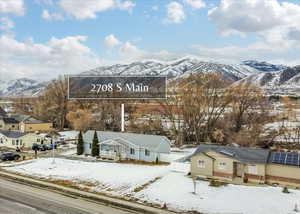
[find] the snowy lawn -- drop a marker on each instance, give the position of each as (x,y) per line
(173,188)
(176,190)
(113,178)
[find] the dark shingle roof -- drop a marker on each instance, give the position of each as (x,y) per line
(2,112)
(10,120)
(243,154)
(20,117)
(12,134)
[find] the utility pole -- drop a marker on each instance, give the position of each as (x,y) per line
(122,118)
(53,147)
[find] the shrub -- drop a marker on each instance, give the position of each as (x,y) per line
(215,183)
(285,190)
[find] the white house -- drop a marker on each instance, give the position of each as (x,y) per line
(15,139)
(119,145)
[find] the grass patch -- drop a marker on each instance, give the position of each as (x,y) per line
(139,162)
(140,188)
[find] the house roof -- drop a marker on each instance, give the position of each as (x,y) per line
(26,119)
(13,134)
(20,117)
(151,142)
(243,154)
(2,112)
(32,120)
(9,120)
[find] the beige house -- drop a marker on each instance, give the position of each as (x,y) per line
(240,164)
(14,139)
(7,123)
(28,123)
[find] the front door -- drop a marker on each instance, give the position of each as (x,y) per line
(239,170)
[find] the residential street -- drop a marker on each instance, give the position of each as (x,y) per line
(21,199)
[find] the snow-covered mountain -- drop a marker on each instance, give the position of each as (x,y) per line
(23,86)
(175,69)
(264,66)
(286,81)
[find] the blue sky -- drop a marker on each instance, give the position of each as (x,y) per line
(45,38)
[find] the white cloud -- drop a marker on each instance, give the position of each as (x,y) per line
(130,52)
(111,41)
(51,16)
(12,6)
(233,16)
(6,24)
(88,9)
(126,5)
(195,4)
(47,60)
(175,13)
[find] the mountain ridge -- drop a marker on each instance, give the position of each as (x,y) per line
(178,68)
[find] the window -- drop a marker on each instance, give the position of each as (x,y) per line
(252,169)
(38,140)
(201,163)
(90,146)
(13,142)
(20,142)
(132,151)
(17,142)
(147,152)
(222,165)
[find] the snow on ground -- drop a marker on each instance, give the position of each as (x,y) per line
(176,190)
(117,179)
(278,125)
(69,152)
(69,135)
(173,188)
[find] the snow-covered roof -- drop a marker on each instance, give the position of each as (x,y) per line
(152,142)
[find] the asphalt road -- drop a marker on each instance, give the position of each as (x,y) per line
(17,198)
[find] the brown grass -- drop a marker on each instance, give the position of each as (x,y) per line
(144,163)
(140,188)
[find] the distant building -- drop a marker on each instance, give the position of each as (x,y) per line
(118,145)
(30,124)
(2,112)
(240,164)
(8,123)
(14,139)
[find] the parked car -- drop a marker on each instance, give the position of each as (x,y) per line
(9,156)
(39,147)
(51,146)
(43,147)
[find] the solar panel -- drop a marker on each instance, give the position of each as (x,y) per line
(286,158)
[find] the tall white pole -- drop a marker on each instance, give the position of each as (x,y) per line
(122,118)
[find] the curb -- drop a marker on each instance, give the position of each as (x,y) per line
(85,195)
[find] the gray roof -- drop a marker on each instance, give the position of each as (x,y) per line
(2,112)
(9,120)
(151,142)
(13,134)
(20,117)
(243,154)
(26,118)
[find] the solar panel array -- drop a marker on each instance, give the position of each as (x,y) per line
(286,158)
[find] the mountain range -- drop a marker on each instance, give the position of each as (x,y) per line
(263,74)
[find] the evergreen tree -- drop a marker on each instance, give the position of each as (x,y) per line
(80,144)
(95,146)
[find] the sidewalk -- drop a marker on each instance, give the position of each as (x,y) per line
(114,202)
